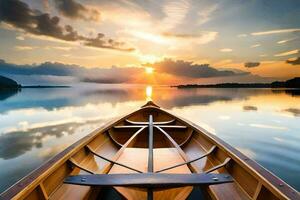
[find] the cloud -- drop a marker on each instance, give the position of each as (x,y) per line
(294,61)
(285,41)
(63,48)
(175,12)
(255,45)
(205,14)
(294,111)
(287,53)
(200,38)
(293,30)
(189,69)
(21,17)
(24,48)
(75,10)
(226,50)
(20,37)
(110,44)
(250,108)
(251,64)
(99,75)
(242,35)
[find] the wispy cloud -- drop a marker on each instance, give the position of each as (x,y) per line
(226,50)
(255,45)
(205,14)
(63,48)
(287,53)
(242,35)
(285,41)
(20,37)
(175,12)
(24,48)
(199,38)
(173,38)
(276,31)
(263,55)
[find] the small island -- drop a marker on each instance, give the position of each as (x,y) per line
(9,84)
(292,83)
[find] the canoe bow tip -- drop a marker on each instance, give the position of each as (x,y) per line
(150,103)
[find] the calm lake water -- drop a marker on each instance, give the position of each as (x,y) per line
(36,124)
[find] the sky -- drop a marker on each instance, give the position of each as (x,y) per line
(157,42)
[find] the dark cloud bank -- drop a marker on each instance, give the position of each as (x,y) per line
(99,75)
(116,74)
(191,70)
(75,10)
(21,16)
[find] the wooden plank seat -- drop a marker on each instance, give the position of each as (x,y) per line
(162,157)
(153,180)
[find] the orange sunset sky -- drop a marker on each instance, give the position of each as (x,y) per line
(121,41)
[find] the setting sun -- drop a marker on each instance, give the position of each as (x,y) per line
(149,70)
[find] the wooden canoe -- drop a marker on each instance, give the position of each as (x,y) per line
(150,154)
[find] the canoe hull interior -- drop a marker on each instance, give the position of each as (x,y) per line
(123,147)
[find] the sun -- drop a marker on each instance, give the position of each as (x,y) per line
(149,70)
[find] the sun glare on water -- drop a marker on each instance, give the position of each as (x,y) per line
(149,93)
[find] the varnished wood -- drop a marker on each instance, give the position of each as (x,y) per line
(188,162)
(111,161)
(154,123)
(162,157)
(149,180)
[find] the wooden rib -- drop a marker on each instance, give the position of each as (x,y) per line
(180,151)
(139,126)
(154,123)
(188,162)
(172,126)
(75,163)
(111,161)
(122,127)
(115,141)
(257,191)
(188,138)
(165,122)
(226,161)
(42,188)
(129,142)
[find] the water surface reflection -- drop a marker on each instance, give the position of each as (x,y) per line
(38,123)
